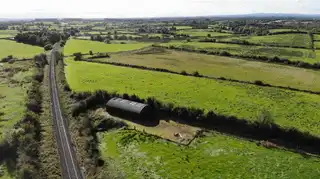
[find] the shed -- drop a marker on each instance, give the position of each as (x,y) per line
(127,107)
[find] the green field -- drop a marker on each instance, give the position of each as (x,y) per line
(218,66)
(202,33)
(292,40)
(282,30)
(293,54)
(317,45)
(182,27)
(7,33)
(85,46)
(14,82)
(289,109)
(18,50)
(317,37)
(136,156)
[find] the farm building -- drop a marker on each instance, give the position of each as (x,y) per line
(129,108)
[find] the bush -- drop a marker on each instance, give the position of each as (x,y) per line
(62,43)
(224,53)
(90,52)
(48,47)
(11,61)
(184,73)
(196,73)
(7,59)
(77,56)
(265,118)
(258,82)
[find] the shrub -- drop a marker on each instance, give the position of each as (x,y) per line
(184,73)
(258,82)
(224,53)
(48,47)
(265,118)
(62,43)
(196,73)
(90,52)
(77,56)
(11,61)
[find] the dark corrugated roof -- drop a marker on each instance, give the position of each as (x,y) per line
(126,105)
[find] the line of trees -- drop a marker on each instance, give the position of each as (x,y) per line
(41,38)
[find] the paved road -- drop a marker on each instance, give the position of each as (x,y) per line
(69,165)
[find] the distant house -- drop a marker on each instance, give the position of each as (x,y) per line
(128,108)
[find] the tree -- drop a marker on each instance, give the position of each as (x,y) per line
(209,35)
(77,56)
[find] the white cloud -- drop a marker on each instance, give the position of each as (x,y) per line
(151,8)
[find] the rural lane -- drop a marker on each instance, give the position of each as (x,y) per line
(69,165)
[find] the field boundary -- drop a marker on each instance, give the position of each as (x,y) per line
(198,75)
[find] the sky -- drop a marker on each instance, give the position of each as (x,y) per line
(150,8)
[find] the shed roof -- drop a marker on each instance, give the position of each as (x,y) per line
(126,105)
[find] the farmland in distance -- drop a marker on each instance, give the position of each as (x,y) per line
(293,54)
(288,40)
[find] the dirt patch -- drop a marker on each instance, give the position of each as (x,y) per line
(166,128)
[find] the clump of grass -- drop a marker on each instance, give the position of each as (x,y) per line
(265,118)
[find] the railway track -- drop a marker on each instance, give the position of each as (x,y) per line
(69,165)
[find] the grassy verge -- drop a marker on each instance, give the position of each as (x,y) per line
(49,156)
(289,109)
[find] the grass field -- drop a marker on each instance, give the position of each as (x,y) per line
(14,82)
(18,50)
(317,37)
(317,45)
(293,54)
(218,66)
(201,33)
(282,30)
(292,40)
(137,156)
(289,109)
(181,27)
(7,33)
(85,46)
